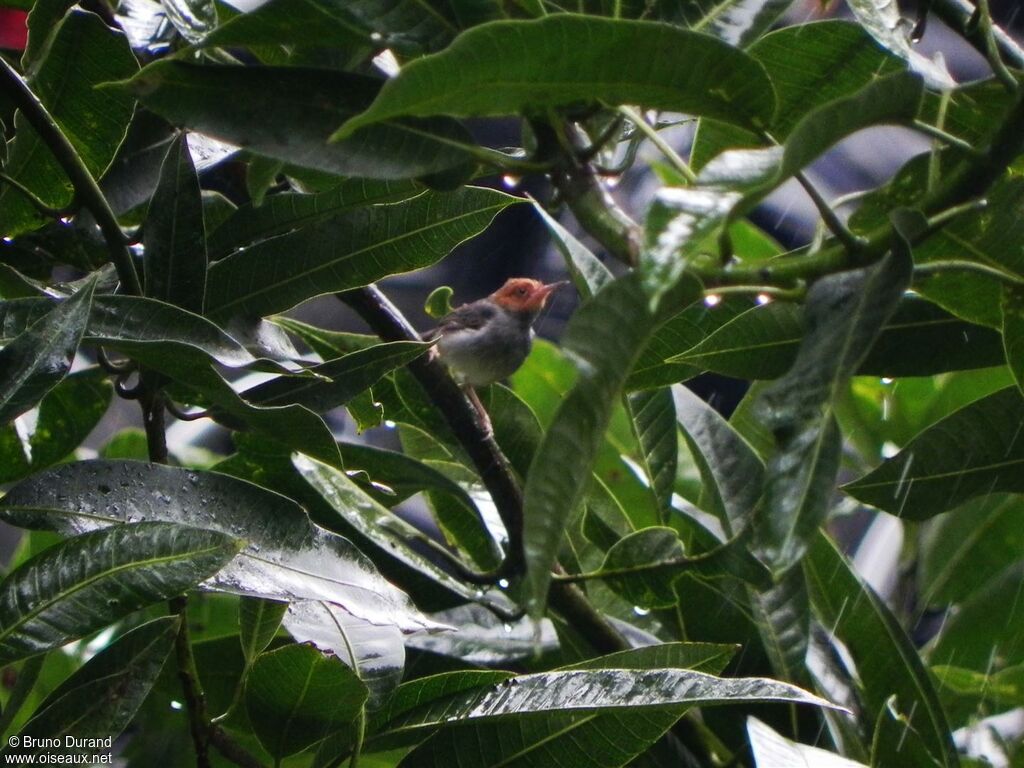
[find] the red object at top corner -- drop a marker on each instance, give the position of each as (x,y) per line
(13,29)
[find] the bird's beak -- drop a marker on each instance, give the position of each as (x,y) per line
(540,296)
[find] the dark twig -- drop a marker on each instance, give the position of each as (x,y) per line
(389,323)
(957,14)
(195,699)
(835,225)
(86,189)
(182,415)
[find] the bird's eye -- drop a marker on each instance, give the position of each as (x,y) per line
(521,291)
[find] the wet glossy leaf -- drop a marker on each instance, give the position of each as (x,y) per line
(386,530)
(598,691)
(485,72)
(973,452)
(67,414)
(353,249)
(282,213)
(287,557)
(886,661)
(81,53)
(100,699)
(573,739)
(258,622)
(845,313)
(40,355)
(375,651)
(82,584)
(289,112)
(772,749)
(882,20)
(174,236)
(295,696)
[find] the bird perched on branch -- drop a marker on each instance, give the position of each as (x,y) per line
(487,340)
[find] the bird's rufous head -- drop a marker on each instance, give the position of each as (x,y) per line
(523,294)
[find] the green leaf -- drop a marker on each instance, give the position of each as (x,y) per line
(174,236)
(258,622)
(456,514)
(652,415)
(295,696)
(893,99)
(737,22)
(287,557)
(920,339)
(588,274)
(1013,332)
(605,335)
(644,566)
(508,67)
(407,27)
(344,378)
(973,452)
(810,65)
(845,313)
(962,551)
(385,530)
(81,52)
(67,414)
(288,113)
(281,213)
(986,632)
(352,249)
(100,699)
(573,739)
(983,691)
(731,472)
(897,744)
(375,651)
(593,692)
(771,749)
(40,355)
(84,583)
(886,661)
(135,325)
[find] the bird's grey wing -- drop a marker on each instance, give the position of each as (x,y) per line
(469,316)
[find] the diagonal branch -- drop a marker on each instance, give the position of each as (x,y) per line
(388,322)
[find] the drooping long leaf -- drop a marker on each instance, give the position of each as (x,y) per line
(296,696)
(529,67)
(84,583)
(40,355)
(975,451)
(100,699)
(886,661)
(772,749)
(845,313)
(289,112)
(287,557)
(353,249)
(606,335)
(653,418)
(82,52)
(175,236)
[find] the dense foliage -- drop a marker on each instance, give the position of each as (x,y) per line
(619,575)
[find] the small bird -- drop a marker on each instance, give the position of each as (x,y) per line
(487,340)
